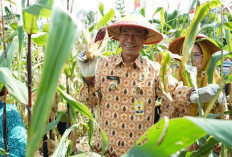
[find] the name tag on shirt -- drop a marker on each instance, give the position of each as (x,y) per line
(112,77)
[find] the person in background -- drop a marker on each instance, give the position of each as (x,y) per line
(15,130)
(226,66)
(125,86)
(202,52)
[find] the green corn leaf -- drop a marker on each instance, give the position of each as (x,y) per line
(228,25)
(90,133)
(106,19)
(78,106)
(176,138)
(40,38)
(104,142)
(11,50)
(84,111)
(213,63)
(2,152)
(228,79)
(63,145)
(162,20)
(165,66)
(14,87)
(101,9)
(205,149)
(61,39)
(219,129)
(29,23)
(40,9)
(51,125)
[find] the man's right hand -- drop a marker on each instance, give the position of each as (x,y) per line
(87,66)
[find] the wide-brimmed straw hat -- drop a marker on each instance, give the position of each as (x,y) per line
(137,20)
(177,44)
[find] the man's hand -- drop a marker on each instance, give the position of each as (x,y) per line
(87,66)
(205,93)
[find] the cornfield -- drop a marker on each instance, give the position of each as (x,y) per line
(39,69)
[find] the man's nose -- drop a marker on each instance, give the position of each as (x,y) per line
(130,37)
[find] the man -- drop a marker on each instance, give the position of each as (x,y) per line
(125,86)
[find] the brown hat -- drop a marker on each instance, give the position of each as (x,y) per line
(135,20)
(177,44)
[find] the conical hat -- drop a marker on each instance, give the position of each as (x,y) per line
(177,44)
(135,20)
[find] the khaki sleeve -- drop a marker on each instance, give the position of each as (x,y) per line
(176,94)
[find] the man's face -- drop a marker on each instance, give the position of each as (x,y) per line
(131,40)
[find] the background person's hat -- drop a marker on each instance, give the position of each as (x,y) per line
(135,20)
(177,44)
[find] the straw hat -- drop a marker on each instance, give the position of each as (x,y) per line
(177,44)
(135,20)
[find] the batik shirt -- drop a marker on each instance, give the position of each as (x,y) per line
(126,96)
(16,132)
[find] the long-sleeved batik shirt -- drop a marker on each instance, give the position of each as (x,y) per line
(127,95)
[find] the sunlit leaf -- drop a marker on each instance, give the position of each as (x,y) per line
(41,9)
(106,19)
(176,138)
(29,23)
(39,39)
(101,9)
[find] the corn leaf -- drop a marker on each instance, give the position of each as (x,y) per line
(41,9)
(84,111)
(63,145)
(219,129)
(29,23)
(6,61)
(61,38)
(176,138)
(212,64)
(181,132)
(165,66)
(78,106)
(2,152)
(14,87)
(105,19)
(51,125)
(204,150)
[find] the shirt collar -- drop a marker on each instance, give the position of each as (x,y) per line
(138,61)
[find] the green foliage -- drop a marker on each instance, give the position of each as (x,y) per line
(64,34)
(58,44)
(14,87)
(179,133)
(2,152)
